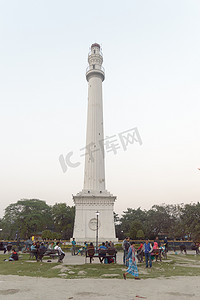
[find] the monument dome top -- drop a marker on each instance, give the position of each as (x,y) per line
(95,45)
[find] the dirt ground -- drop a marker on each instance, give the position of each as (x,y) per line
(21,288)
(32,288)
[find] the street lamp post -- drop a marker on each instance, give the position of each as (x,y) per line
(97,214)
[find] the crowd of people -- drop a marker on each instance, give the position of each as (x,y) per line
(146,249)
(5,248)
(10,250)
(196,247)
(38,249)
(90,249)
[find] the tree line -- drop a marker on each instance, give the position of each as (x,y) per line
(174,221)
(30,217)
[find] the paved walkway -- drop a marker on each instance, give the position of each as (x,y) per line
(79,260)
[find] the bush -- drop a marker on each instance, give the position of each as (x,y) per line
(140,234)
(49,235)
(118,247)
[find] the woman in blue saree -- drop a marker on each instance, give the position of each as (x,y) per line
(132,267)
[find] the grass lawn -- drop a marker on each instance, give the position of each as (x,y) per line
(23,268)
(175,265)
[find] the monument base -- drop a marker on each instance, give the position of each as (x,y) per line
(85,226)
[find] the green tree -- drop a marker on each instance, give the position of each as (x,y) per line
(158,221)
(26,217)
(190,217)
(134,228)
(63,219)
(47,234)
(50,235)
(132,220)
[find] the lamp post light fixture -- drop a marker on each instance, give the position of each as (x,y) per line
(97,214)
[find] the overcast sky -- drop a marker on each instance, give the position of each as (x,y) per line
(152,62)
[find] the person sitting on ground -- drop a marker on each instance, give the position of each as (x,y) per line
(61,253)
(14,256)
(102,252)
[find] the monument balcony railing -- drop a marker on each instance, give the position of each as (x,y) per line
(97,68)
(92,53)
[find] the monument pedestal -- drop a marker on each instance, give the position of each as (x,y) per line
(85,225)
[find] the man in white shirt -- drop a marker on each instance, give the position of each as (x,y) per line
(61,254)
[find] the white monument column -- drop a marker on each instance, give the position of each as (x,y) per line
(94,197)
